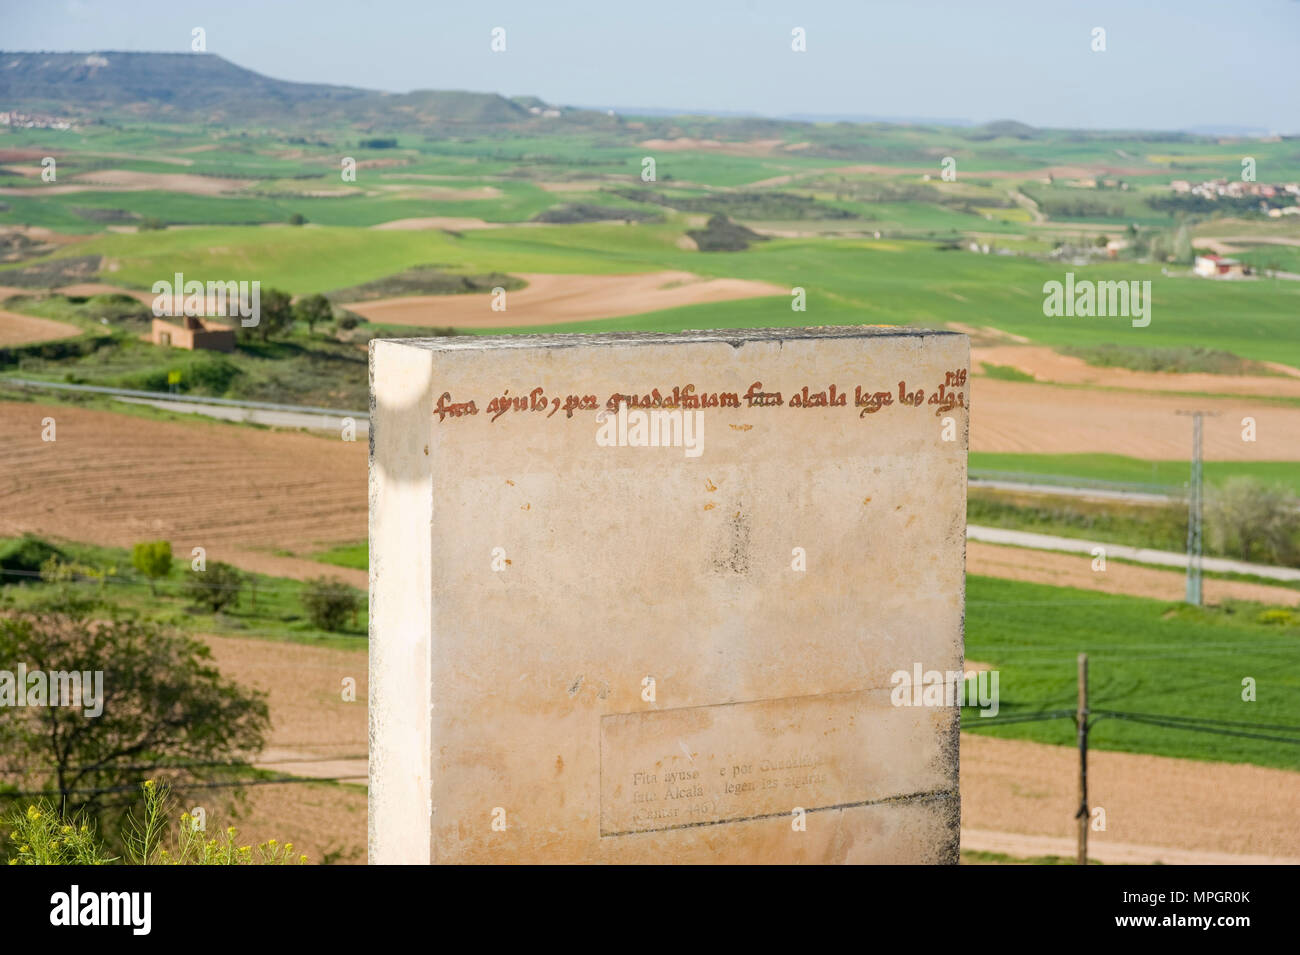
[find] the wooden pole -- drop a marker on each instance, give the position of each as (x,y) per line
(1081,720)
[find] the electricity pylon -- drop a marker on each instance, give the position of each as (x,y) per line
(1194,508)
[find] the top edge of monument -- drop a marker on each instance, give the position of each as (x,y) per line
(736,337)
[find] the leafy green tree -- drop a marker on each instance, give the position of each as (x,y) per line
(329,602)
(275,315)
(215,587)
(1253,520)
(313,309)
(154,560)
(148,696)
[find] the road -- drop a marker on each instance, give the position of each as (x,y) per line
(1142,555)
(228,409)
(1135,497)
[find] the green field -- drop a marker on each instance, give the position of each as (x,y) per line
(1160,475)
(268,607)
(1146,658)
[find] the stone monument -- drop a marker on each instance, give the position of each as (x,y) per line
(644,598)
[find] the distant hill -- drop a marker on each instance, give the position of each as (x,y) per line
(203,87)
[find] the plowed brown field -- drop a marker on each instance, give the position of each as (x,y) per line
(116,479)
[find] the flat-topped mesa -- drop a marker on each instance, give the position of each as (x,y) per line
(644,597)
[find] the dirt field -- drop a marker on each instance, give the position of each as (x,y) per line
(1015,416)
(1015,786)
(436,222)
(441,193)
(757,147)
(24,330)
(555,299)
(1069,570)
(124,180)
(1014,793)
(116,479)
(1049,366)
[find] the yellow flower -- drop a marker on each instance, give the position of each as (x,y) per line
(24,849)
(65,830)
(85,828)
(245,850)
(302,859)
(148,784)
(33,813)
(272,843)
(230,831)
(288,847)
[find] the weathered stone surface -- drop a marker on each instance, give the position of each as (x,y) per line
(588,651)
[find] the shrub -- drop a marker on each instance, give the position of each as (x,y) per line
(42,837)
(154,560)
(1253,520)
(329,602)
(216,587)
(22,559)
(212,375)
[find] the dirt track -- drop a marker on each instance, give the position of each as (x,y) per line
(1069,570)
(554,299)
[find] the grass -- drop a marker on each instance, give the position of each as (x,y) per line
(1145,657)
(1163,527)
(355,556)
(1182,360)
(1161,475)
(1005,372)
(980,857)
(268,607)
(302,368)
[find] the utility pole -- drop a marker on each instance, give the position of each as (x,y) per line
(1081,721)
(1194,510)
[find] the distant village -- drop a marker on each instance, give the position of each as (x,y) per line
(16,120)
(1215,189)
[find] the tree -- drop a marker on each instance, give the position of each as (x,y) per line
(154,560)
(313,309)
(147,696)
(329,602)
(275,315)
(1253,520)
(1182,246)
(216,587)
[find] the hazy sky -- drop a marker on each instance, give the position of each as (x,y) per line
(1174,64)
